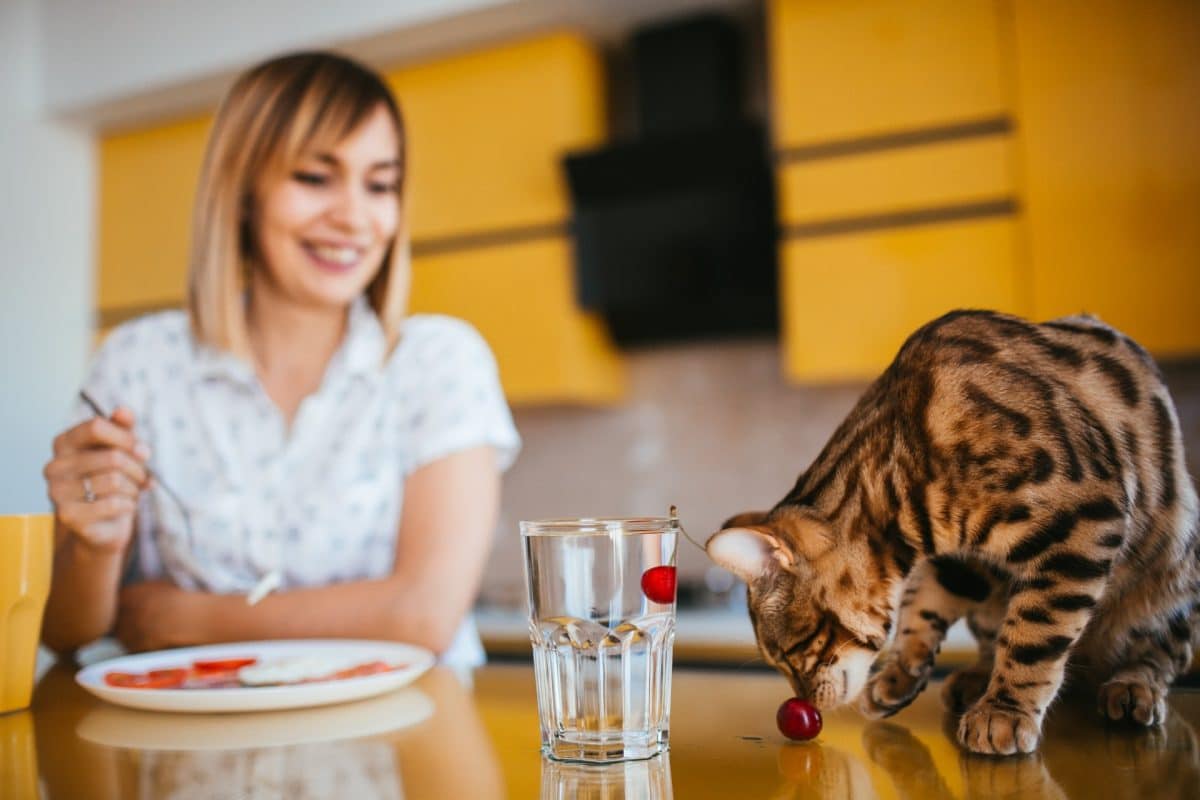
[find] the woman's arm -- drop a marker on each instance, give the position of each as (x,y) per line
(449,513)
(94,480)
(83,593)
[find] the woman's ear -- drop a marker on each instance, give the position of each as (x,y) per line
(748,553)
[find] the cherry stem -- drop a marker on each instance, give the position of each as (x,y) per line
(678,524)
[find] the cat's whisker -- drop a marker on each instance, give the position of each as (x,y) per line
(749,661)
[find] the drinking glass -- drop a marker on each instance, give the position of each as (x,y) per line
(26,555)
(602,623)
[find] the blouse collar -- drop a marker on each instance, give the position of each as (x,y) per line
(361,352)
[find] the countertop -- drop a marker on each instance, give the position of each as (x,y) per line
(443,739)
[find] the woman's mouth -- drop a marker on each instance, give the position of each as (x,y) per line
(335,258)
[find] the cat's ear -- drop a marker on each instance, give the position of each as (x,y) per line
(746,552)
(804,530)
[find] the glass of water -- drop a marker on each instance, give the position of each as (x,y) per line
(602,623)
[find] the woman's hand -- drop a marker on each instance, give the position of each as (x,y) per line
(94,480)
(153,615)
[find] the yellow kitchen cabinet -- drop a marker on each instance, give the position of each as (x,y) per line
(488,129)
(146,184)
(852,299)
(897,178)
(849,69)
(520,296)
(489,207)
(1109,122)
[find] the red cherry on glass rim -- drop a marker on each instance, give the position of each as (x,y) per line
(658,583)
(798,719)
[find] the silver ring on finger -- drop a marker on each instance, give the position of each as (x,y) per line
(88,495)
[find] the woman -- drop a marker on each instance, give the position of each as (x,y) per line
(318,440)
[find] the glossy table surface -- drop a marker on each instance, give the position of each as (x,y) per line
(443,739)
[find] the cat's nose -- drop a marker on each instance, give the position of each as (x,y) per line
(799,688)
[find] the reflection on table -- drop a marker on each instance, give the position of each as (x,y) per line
(445,739)
(632,780)
(393,746)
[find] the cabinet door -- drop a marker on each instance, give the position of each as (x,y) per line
(1109,121)
(956,175)
(848,69)
(146,187)
(521,298)
(487,130)
(853,299)
(489,207)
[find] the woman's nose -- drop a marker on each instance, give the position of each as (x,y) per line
(350,208)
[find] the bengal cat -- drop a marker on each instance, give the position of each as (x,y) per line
(1028,477)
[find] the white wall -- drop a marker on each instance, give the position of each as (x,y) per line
(101,53)
(45,263)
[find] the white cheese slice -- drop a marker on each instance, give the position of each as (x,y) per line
(293,669)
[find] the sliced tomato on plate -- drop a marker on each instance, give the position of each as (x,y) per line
(222,664)
(368,668)
(154,679)
(122,680)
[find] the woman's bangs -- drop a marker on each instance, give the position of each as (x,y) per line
(330,110)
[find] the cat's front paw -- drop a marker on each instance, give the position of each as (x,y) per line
(963,687)
(896,684)
(1133,699)
(998,729)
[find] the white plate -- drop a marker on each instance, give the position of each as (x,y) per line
(259,698)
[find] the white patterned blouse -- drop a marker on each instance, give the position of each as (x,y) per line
(319,503)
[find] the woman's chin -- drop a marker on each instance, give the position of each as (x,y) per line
(334,290)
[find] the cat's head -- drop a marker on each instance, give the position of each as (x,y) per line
(821,610)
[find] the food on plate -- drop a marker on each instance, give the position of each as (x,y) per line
(230,673)
(222,664)
(298,669)
(154,679)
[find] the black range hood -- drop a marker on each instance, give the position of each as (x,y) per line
(675,232)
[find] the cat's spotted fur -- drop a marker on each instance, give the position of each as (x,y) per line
(1028,477)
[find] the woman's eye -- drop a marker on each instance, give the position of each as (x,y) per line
(384,188)
(310,178)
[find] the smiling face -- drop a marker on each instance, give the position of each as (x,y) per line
(323,226)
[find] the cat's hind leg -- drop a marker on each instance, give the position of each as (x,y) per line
(938,592)
(1158,646)
(1155,655)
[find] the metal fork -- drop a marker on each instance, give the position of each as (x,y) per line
(185,556)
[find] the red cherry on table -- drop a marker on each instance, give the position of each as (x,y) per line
(658,583)
(798,719)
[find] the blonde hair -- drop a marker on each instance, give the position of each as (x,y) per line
(273,114)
